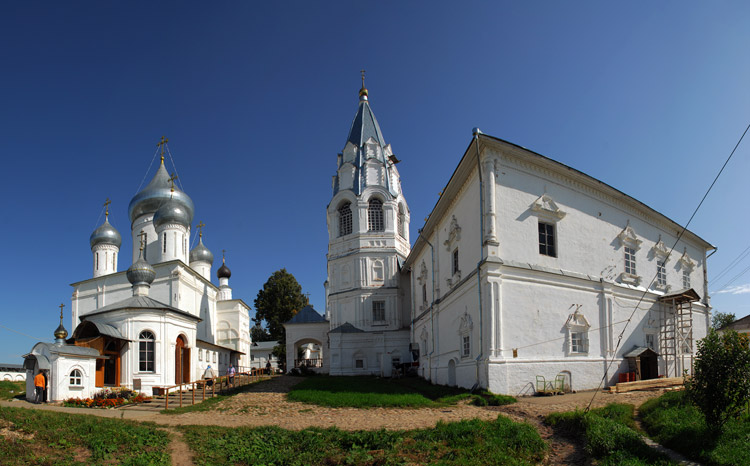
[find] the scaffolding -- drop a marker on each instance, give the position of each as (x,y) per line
(676,332)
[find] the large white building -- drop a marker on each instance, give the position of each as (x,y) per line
(525,267)
(158,324)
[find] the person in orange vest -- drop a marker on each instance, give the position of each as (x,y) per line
(39,388)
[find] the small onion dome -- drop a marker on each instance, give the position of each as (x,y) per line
(223,271)
(61,333)
(105,234)
(141,273)
(155,194)
(172,211)
(201,253)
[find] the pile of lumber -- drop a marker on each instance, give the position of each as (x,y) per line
(651,384)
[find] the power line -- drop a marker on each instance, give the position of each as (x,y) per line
(732,264)
(20,333)
(684,228)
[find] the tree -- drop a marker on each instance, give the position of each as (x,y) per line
(720,386)
(280,299)
(258,333)
(721,319)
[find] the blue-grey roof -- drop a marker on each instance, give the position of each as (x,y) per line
(140,302)
(11,367)
(158,191)
(637,351)
(307,315)
(264,345)
(365,126)
(346,328)
(102,328)
(105,234)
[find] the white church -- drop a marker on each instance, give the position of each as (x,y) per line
(525,268)
(158,324)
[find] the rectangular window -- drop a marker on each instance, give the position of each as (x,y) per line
(577,342)
(466,345)
(146,356)
(378,311)
(630,261)
(455,261)
(547,239)
(661,273)
(685,278)
(359,363)
(424,294)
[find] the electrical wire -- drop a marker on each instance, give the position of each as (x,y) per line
(684,229)
(20,333)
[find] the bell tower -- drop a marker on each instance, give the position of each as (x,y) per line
(368,237)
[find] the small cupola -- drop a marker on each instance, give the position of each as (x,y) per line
(105,244)
(201,259)
(60,333)
(141,275)
(225,292)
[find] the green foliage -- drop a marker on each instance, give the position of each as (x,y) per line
(720,386)
(675,422)
(369,392)
(609,433)
(471,443)
(9,390)
(279,300)
(258,334)
(721,319)
(64,439)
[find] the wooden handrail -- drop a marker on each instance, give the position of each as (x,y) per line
(222,380)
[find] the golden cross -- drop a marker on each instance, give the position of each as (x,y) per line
(143,240)
(161,144)
(106,206)
(223,254)
(200,227)
(61,310)
(363,77)
(172,178)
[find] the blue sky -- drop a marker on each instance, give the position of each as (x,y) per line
(256,99)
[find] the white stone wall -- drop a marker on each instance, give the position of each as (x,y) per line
(12,376)
(105,257)
(375,350)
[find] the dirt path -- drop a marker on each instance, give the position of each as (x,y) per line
(181,454)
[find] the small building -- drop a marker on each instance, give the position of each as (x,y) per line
(306,333)
(643,362)
(13,372)
(261,353)
(740,326)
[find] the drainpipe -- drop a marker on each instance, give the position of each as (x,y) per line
(432,304)
(706,297)
(476,132)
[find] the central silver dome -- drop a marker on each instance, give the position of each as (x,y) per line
(158,191)
(105,234)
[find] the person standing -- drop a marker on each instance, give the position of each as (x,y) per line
(208,376)
(39,388)
(230,374)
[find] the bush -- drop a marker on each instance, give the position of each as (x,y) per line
(720,386)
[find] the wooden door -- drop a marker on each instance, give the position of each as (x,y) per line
(178,364)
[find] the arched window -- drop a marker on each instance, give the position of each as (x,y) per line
(146,351)
(345,219)
(76,378)
(375,215)
(401,220)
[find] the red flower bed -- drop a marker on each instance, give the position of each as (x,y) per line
(107,398)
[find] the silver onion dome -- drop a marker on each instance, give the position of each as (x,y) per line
(105,234)
(141,273)
(201,253)
(158,191)
(172,211)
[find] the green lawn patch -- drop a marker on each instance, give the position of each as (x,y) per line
(370,392)
(10,390)
(676,423)
(60,439)
(469,443)
(609,434)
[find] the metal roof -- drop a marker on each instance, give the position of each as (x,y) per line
(261,345)
(637,351)
(365,126)
(307,315)
(346,328)
(682,296)
(102,328)
(140,302)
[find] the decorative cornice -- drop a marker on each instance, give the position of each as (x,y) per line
(628,237)
(546,207)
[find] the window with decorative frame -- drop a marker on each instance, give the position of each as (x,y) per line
(378,311)
(465,328)
(578,329)
(454,263)
(400,218)
(547,239)
(661,273)
(685,278)
(76,378)
(630,261)
(466,346)
(375,215)
(200,354)
(345,219)
(146,341)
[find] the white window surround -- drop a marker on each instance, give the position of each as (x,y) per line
(661,275)
(578,330)
(546,209)
(378,312)
(630,243)
(76,378)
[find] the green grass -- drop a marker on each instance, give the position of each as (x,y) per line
(208,403)
(469,443)
(371,392)
(50,438)
(675,423)
(10,390)
(609,434)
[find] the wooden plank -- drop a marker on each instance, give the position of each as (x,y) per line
(651,384)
